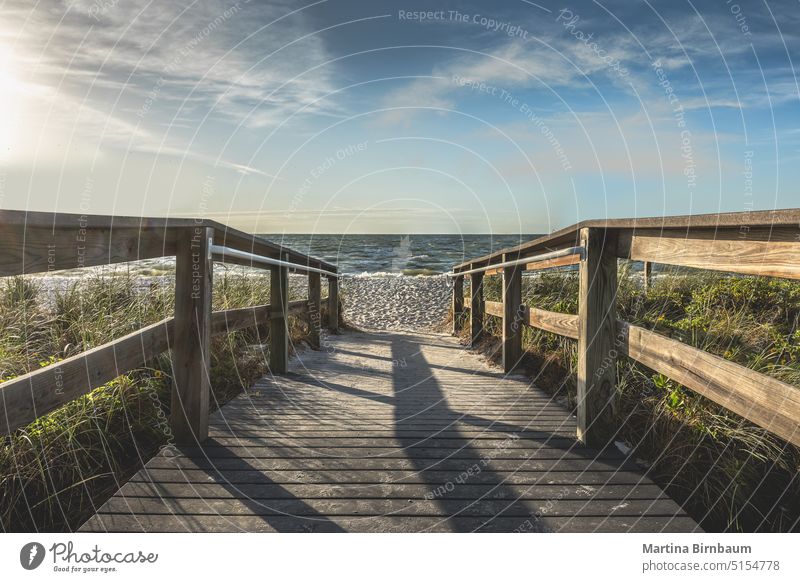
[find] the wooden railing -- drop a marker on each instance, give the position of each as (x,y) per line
(750,243)
(44,242)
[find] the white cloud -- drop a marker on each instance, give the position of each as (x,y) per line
(117,73)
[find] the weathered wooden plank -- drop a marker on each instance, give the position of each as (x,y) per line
(279,320)
(314,309)
(561,323)
(333,304)
(732,223)
(458,304)
(278,453)
(596,335)
(36,242)
(191,359)
(513,316)
(386,524)
(320,446)
(39,249)
(541,265)
(763,400)
(433,477)
(476,308)
(378,507)
(24,399)
(494,308)
(396,464)
(773,252)
(552,263)
(385,491)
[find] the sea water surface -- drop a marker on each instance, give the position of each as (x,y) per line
(413,254)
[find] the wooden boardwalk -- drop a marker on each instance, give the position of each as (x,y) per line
(391,432)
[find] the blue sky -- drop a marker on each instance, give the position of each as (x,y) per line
(343,116)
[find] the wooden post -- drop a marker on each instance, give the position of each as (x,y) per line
(314,315)
(648,271)
(458,304)
(333,304)
(512,315)
(192,336)
(597,351)
(279,320)
(476,308)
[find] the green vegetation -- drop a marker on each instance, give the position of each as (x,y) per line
(54,472)
(728,473)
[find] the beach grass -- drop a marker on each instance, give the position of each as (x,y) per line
(55,472)
(728,473)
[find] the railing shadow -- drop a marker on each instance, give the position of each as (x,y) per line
(275,506)
(418,397)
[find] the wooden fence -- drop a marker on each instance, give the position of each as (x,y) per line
(44,242)
(750,243)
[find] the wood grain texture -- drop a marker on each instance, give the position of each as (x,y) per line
(560,323)
(460,447)
(31,249)
(763,400)
(279,320)
(25,398)
(191,358)
(731,223)
(333,304)
(476,308)
(458,304)
(314,309)
(541,265)
(769,252)
(513,317)
(494,308)
(230,320)
(96,236)
(596,374)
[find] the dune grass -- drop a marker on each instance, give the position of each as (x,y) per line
(728,473)
(56,471)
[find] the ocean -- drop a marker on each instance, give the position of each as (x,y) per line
(414,254)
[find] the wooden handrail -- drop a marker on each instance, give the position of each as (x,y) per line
(25,398)
(761,399)
(38,242)
(755,243)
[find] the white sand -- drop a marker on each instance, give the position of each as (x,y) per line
(396,302)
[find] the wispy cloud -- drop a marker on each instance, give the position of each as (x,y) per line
(125,71)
